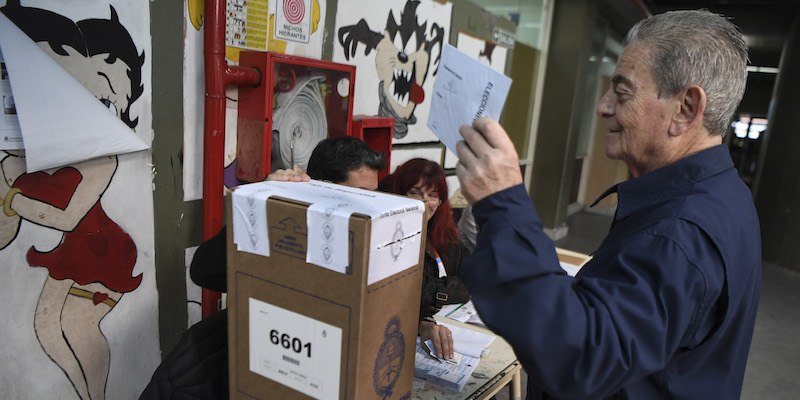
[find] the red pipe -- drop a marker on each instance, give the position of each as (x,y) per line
(219,75)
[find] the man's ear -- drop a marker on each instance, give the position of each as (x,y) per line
(691,107)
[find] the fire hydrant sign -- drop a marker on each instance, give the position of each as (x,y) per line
(294,350)
(293,20)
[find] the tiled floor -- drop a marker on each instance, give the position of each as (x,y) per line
(775,353)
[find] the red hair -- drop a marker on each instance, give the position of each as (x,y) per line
(442,230)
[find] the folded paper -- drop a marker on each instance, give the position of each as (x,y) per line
(62,123)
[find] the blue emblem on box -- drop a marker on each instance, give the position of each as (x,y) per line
(389,362)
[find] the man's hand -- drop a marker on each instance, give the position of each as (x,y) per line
(289,175)
(487,160)
(440,336)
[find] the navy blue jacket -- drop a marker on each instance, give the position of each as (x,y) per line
(665,309)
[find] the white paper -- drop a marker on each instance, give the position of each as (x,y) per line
(10,134)
(395,234)
(469,342)
(249,209)
(293,20)
(295,350)
(328,223)
(465,90)
(457,357)
(62,122)
(570,269)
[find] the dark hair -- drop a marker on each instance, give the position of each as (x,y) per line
(89,37)
(442,229)
(334,158)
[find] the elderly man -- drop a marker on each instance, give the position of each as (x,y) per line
(666,307)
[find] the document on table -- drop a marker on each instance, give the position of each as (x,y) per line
(465,313)
(465,90)
(469,342)
(570,269)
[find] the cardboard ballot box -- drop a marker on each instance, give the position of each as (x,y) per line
(322,329)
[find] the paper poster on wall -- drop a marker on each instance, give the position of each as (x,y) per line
(247,24)
(62,122)
(395,46)
(293,20)
(489,53)
(10,133)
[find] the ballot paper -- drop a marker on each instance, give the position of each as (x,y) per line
(468,342)
(456,355)
(446,375)
(465,90)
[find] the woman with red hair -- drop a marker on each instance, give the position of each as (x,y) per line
(424,180)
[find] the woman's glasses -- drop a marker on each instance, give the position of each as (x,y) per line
(431,198)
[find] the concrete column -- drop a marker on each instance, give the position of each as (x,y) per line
(556,141)
(777,186)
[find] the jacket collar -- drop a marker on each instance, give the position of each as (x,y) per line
(665,182)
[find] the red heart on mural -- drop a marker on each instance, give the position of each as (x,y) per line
(100,297)
(56,189)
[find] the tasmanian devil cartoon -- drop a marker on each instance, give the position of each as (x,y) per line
(402,59)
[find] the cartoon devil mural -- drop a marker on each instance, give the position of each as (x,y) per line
(403,58)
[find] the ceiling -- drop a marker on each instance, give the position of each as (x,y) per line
(764,23)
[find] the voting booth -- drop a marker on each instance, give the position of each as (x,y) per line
(324,289)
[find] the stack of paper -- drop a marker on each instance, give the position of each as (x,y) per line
(444,374)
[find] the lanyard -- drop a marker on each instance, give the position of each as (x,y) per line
(442,271)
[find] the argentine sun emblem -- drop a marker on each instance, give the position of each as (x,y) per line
(389,362)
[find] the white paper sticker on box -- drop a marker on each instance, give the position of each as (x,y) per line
(295,350)
(395,236)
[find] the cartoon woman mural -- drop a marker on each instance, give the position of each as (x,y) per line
(92,266)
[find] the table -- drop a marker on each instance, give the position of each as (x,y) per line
(495,370)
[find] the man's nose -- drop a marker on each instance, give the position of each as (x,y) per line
(605,108)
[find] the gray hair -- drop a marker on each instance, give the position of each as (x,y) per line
(697,48)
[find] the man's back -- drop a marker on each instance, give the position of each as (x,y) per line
(691,251)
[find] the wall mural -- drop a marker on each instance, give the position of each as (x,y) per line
(489,53)
(73,253)
(396,46)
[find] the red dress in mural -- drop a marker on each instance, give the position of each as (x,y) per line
(97,250)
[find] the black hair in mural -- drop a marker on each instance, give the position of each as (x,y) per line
(409,26)
(403,57)
(89,37)
(108,36)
